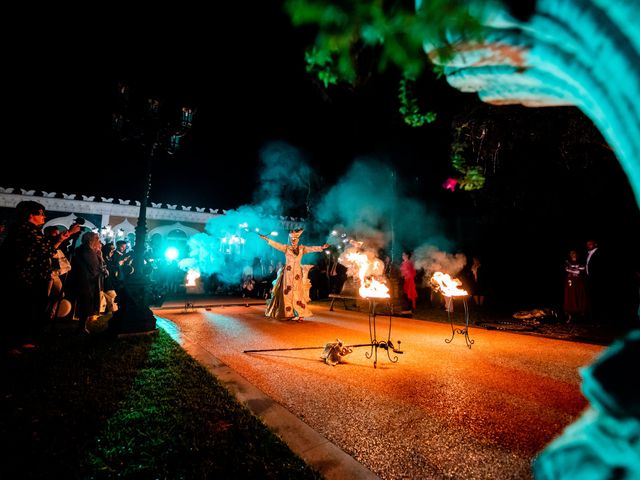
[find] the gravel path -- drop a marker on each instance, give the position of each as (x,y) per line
(442,411)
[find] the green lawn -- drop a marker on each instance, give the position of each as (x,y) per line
(137,407)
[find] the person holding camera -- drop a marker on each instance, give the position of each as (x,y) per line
(60,266)
(124,260)
(25,260)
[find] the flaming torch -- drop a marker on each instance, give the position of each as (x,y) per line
(368,269)
(450,288)
(190,285)
(191,277)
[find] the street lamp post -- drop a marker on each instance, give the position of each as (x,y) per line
(157,134)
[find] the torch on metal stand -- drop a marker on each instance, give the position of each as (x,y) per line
(462,331)
(189,307)
(334,351)
(375,344)
(191,285)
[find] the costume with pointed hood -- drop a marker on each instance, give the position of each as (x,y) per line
(290,293)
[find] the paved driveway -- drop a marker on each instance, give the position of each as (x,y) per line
(442,411)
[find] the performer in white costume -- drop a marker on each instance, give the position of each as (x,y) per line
(290,292)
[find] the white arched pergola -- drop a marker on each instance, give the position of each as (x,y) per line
(164,230)
(123,231)
(175,234)
(67,221)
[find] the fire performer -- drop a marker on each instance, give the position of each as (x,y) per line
(290,291)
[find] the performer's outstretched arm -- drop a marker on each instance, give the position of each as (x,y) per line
(277,245)
(315,249)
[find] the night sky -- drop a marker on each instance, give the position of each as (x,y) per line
(250,88)
(242,66)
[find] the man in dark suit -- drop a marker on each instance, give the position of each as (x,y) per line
(596,280)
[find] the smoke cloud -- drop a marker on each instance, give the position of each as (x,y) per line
(431,259)
(284,179)
(370,202)
(367,209)
(231,241)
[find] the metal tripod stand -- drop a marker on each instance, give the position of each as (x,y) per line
(462,331)
(375,344)
(336,350)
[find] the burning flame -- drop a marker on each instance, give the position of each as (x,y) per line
(369,286)
(447,285)
(192,276)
